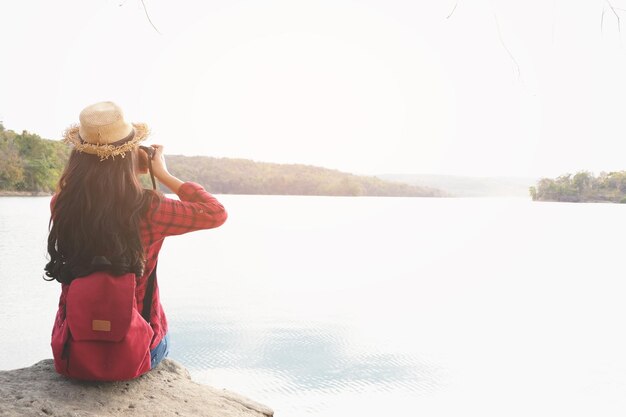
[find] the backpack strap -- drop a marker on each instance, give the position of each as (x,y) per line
(147,306)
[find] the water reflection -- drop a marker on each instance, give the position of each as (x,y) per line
(306,358)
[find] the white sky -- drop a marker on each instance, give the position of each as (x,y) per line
(368,86)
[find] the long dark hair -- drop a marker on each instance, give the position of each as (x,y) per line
(97,210)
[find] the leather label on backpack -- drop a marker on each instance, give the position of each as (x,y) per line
(101,325)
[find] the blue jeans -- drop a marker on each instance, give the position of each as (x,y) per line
(160,351)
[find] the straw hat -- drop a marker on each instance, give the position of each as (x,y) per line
(104,132)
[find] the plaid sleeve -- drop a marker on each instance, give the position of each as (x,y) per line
(196,210)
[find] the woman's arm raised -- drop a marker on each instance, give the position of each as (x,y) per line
(197,208)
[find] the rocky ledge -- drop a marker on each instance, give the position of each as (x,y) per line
(165,391)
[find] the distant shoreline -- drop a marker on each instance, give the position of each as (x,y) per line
(23,170)
(6,193)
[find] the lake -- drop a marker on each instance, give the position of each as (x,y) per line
(335,306)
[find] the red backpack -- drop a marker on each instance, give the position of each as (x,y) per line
(98,334)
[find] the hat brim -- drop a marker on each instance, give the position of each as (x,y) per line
(71,137)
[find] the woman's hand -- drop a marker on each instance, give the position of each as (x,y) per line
(159,168)
(160,172)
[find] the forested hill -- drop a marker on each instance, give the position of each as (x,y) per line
(29,163)
(582,187)
(243,176)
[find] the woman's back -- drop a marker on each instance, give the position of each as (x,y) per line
(103,219)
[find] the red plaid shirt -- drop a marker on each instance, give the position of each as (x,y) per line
(196,210)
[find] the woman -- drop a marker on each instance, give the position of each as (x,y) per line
(102,218)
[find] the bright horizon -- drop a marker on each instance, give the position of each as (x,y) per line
(532,89)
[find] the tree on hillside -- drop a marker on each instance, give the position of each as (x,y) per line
(30,163)
(11,168)
(583,186)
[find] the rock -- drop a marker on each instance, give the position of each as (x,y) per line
(167,390)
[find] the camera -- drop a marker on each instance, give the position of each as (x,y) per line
(145,162)
(145,157)
(149,150)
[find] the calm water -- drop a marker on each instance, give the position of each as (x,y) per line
(326,306)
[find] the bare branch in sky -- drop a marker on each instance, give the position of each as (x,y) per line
(453,9)
(519,74)
(619,27)
(619,21)
(602,22)
(517,67)
(145,10)
(148,16)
